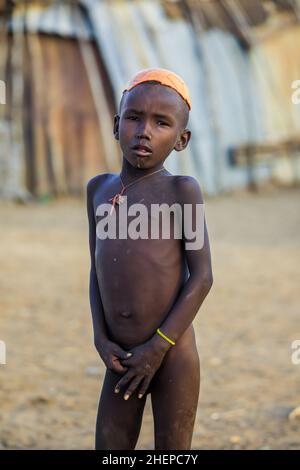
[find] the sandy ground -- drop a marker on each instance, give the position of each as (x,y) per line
(50,385)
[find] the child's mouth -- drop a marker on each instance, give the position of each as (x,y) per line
(142,151)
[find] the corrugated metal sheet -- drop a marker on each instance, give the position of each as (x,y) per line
(220,74)
(59,18)
(238,98)
(135,35)
(277,65)
(237,101)
(59,140)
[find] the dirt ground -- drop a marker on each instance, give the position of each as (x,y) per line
(50,386)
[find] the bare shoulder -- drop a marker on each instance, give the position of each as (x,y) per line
(188,189)
(96,182)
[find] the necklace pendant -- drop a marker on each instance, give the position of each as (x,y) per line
(120,199)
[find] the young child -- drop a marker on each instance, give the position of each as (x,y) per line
(145,292)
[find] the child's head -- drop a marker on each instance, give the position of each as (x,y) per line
(153,113)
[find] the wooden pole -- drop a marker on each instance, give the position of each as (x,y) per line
(100,101)
(54,112)
(15,182)
(4,122)
(42,181)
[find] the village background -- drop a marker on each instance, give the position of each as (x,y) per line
(64,65)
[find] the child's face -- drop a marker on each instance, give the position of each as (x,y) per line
(152,116)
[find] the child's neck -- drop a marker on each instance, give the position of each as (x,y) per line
(129,173)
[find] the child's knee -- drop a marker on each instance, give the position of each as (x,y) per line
(110,437)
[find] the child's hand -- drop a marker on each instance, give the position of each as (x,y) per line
(143,364)
(111,353)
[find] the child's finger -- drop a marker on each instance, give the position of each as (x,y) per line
(144,386)
(132,387)
(127,361)
(121,353)
(124,380)
(117,367)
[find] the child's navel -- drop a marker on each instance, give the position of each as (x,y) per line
(126,314)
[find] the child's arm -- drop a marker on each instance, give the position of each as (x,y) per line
(110,352)
(147,357)
(200,281)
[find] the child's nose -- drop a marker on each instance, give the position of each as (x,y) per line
(144,131)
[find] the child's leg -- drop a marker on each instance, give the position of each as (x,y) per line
(174,395)
(118,421)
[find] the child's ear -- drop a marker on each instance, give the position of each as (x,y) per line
(116,126)
(183,140)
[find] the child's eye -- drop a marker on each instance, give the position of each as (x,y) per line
(132,118)
(162,123)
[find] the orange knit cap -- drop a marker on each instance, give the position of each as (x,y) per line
(163,76)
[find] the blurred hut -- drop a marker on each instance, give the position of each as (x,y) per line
(67,62)
(59,104)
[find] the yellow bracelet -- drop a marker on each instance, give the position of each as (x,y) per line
(165,337)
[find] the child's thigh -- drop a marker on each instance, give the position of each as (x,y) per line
(174,396)
(118,421)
